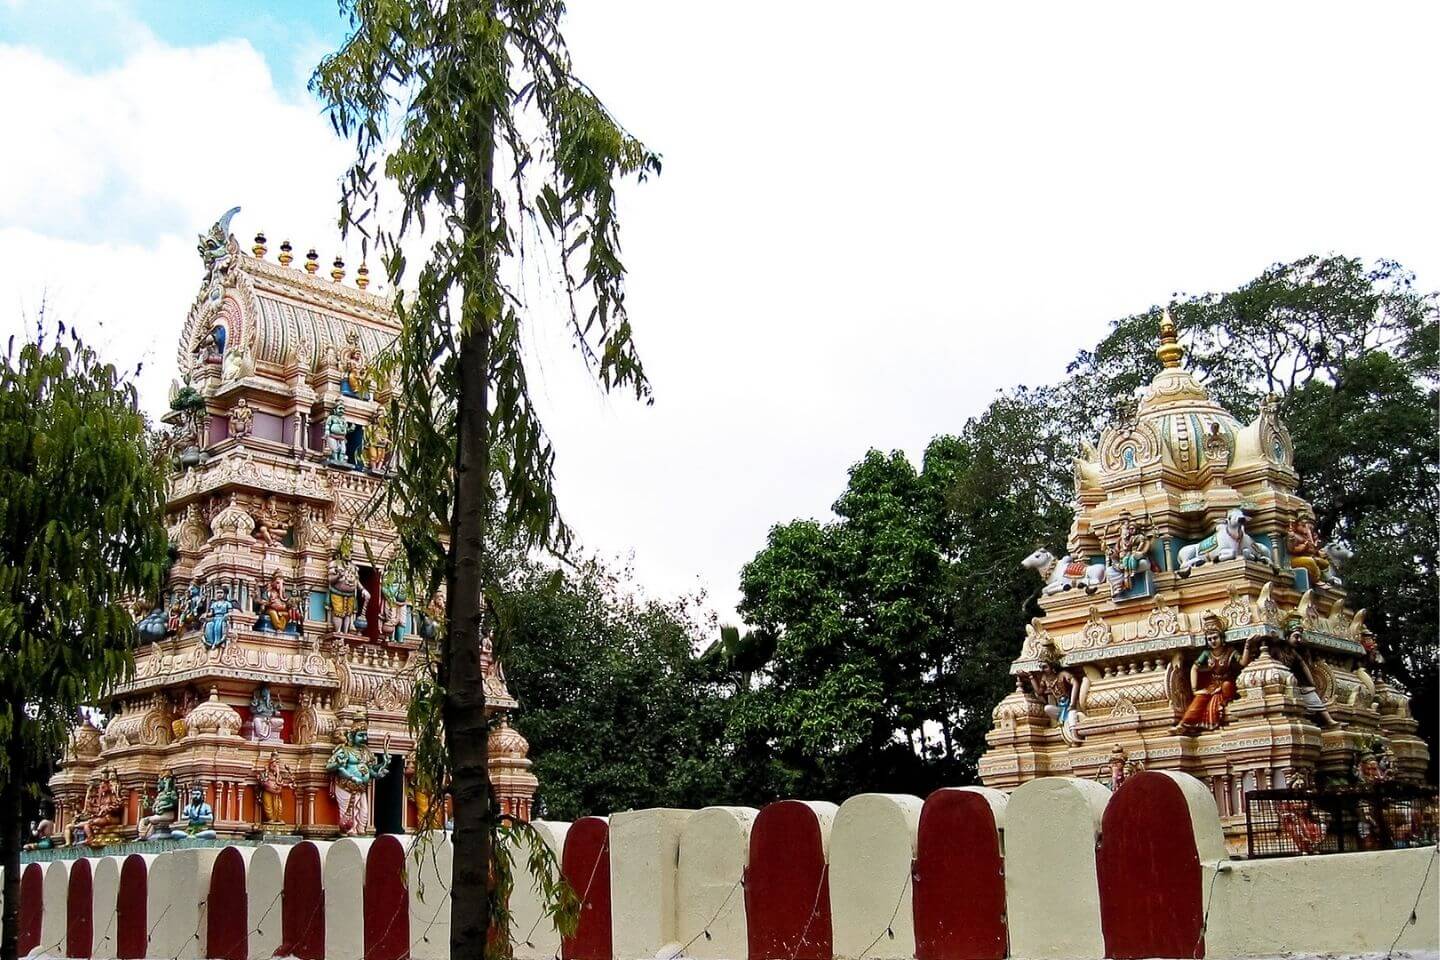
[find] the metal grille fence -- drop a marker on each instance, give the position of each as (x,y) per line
(1288,823)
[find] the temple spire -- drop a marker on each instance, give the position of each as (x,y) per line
(1169,352)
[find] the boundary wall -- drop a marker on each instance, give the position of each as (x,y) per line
(1060,869)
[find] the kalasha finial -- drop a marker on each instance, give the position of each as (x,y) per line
(259,248)
(1169,352)
(337,269)
(362,276)
(312,261)
(285,255)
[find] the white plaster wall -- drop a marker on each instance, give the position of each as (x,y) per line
(264,882)
(1052,890)
(872,845)
(644,856)
(533,935)
(55,891)
(344,877)
(105,887)
(714,849)
(1336,904)
(428,879)
(175,904)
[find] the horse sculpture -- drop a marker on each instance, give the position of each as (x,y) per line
(1063,574)
(1230,540)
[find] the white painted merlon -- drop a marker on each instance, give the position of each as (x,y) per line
(714,850)
(872,846)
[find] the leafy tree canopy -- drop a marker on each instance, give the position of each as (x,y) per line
(82,498)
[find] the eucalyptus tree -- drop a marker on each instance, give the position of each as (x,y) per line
(471,110)
(82,500)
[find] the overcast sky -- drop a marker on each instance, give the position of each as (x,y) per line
(871,217)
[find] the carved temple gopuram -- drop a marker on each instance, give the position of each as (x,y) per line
(273,678)
(1197,623)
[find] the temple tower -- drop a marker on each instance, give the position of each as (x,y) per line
(1196,623)
(276,673)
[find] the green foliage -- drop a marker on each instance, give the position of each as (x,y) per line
(81,536)
(894,623)
(496,146)
(894,620)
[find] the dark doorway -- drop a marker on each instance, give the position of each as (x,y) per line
(390,798)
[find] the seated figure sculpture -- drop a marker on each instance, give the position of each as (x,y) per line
(163,810)
(199,816)
(1218,666)
(1059,691)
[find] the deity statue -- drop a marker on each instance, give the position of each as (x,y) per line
(1219,667)
(394,602)
(215,626)
(212,347)
(297,610)
(194,606)
(199,816)
(105,808)
(348,596)
(186,702)
(266,722)
(42,836)
(273,780)
(353,368)
(377,441)
(269,527)
(336,431)
(1306,551)
(274,604)
(174,613)
(1230,540)
(1217,448)
(1291,652)
(1059,691)
(214,249)
(1121,767)
(353,767)
(163,808)
(242,419)
(1128,554)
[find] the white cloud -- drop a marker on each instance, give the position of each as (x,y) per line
(866,226)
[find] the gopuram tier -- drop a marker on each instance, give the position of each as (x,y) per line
(1196,622)
(272,679)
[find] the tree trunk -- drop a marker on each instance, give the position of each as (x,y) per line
(10,814)
(466,733)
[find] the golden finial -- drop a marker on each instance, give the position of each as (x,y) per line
(285,255)
(259,248)
(362,276)
(312,261)
(1169,353)
(337,269)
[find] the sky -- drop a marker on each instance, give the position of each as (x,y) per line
(871,218)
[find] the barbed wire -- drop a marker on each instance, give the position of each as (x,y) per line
(890,925)
(705,930)
(1414,910)
(814,909)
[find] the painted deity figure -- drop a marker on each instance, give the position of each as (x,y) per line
(194,606)
(215,626)
(242,419)
(348,596)
(274,778)
(212,346)
(42,835)
(274,604)
(352,768)
(336,432)
(353,368)
(1128,554)
(266,722)
(163,808)
(269,527)
(377,441)
(1291,652)
(199,816)
(395,602)
(1306,551)
(107,808)
(1059,691)
(1212,678)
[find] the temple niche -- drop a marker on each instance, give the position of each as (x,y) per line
(273,677)
(1196,622)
